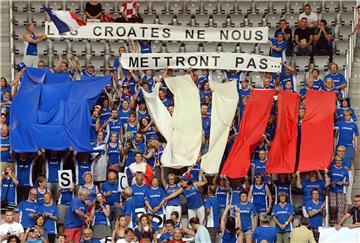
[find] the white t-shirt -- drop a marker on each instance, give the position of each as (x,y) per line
(202,235)
(310,18)
(14,229)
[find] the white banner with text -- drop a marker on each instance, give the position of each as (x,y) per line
(199,60)
(125,31)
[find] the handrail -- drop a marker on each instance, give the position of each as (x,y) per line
(12,55)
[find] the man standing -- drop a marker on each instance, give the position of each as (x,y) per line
(302,234)
(27,210)
(202,234)
(10,227)
(31,55)
(308,14)
(110,189)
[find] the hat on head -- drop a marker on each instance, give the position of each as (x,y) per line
(280,33)
(20,65)
(186,177)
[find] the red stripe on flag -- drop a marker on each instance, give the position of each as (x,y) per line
(252,127)
(77,19)
(317,131)
(282,155)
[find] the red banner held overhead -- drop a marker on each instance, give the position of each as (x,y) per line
(317,131)
(282,155)
(252,127)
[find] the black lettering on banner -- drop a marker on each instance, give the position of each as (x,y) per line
(144,62)
(108,30)
(155,32)
(132,32)
(168,60)
(122,33)
(95,30)
(166,32)
(216,60)
(74,32)
(193,61)
(251,63)
(247,34)
(189,34)
(204,61)
(263,63)
(239,61)
(180,60)
(143,28)
(133,62)
(259,35)
(65,180)
(123,184)
(156,59)
(224,34)
(236,35)
(201,34)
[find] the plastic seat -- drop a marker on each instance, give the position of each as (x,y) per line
(60,48)
(38,19)
(237,20)
(157,47)
(348,6)
(332,6)
(272,32)
(316,6)
(344,31)
(108,7)
(263,49)
(321,62)
(247,48)
(37,6)
(19,47)
(114,47)
(292,19)
(158,7)
(97,48)
(144,8)
(79,48)
(191,46)
(340,61)
(272,20)
(202,20)
(227,7)
(302,63)
(278,7)
(218,20)
(193,7)
(262,7)
(176,7)
(210,7)
(97,62)
(254,20)
(43,47)
(228,47)
(149,18)
(330,18)
(244,7)
(21,18)
(210,47)
(183,19)
(341,47)
(296,7)
(346,18)
(56,5)
(18,32)
(74,6)
(20,6)
(173,47)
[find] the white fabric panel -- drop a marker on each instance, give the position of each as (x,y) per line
(186,121)
(224,103)
(344,235)
(162,120)
(67,19)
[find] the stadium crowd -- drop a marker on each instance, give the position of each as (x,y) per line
(170,205)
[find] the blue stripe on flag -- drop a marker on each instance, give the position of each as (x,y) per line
(60,25)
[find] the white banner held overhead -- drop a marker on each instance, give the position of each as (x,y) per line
(124,31)
(201,60)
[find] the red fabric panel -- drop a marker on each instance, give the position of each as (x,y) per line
(252,127)
(77,19)
(282,155)
(317,131)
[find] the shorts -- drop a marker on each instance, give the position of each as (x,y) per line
(73,234)
(62,213)
(101,231)
(350,152)
(246,232)
(31,60)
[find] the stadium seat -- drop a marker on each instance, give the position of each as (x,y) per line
(191,46)
(19,47)
(296,6)
(157,47)
(247,48)
(340,61)
(167,19)
(316,6)
(300,80)
(74,6)
(43,47)
(278,7)
(97,62)
(341,47)
(332,6)
(237,20)
(227,7)
(60,48)
(79,48)
(20,6)
(184,19)
(18,59)
(158,7)
(348,6)
(272,20)
(321,62)
(108,7)
(262,7)
(202,20)
(176,7)
(150,18)
(18,32)
(244,7)
(97,48)
(210,7)
(330,18)
(144,8)
(210,47)
(114,47)
(38,19)
(292,19)
(37,6)
(343,32)
(346,18)
(302,63)
(20,18)
(263,49)
(193,7)
(272,32)
(173,47)
(254,20)
(218,20)
(228,47)
(56,5)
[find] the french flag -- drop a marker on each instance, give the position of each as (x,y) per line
(64,21)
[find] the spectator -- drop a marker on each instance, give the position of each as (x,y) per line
(114,150)
(60,238)
(111,191)
(345,106)
(13,239)
(83,164)
(129,236)
(129,11)
(278,46)
(308,14)
(260,195)
(302,234)
(129,207)
(303,38)
(32,235)
(100,212)
(260,166)
(314,75)
(228,227)
(93,11)
(119,229)
(323,39)
(89,71)
(309,86)
(31,39)
(316,210)
(283,214)
(354,212)
(140,166)
(283,184)
(348,135)
(264,232)
(41,189)
(212,215)
(26,212)
(75,215)
(154,197)
(284,27)
(87,236)
(248,217)
(339,80)
(202,234)
(39,226)
(170,187)
(51,215)
(8,182)
(177,237)
(144,226)
(329,85)
(41,64)
(167,232)
(10,227)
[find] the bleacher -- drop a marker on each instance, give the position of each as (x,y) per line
(338,14)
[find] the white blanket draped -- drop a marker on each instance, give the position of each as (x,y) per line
(224,103)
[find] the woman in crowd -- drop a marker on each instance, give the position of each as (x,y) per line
(148,129)
(171,187)
(144,226)
(283,215)
(345,106)
(8,182)
(41,189)
(248,217)
(260,195)
(100,213)
(93,189)
(51,214)
(120,227)
(114,151)
(39,226)
(228,225)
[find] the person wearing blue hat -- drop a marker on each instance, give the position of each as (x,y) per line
(278,46)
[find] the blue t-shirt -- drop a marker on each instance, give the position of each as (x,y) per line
(260,167)
(214,216)
(165,237)
(25,208)
(5,144)
(259,198)
(338,78)
(24,172)
(167,102)
(105,114)
(81,168)
(169,190)
(247,211)
(115,127)
(31,48)
(267,233)
(66,196)
(316,220)
(124,116)
(347,132)
(115,193)
(72,220)
(200,82)
(195,172)
(282,214)
(338,175)
(8,185)
(52,167)
(206,122)
(129,210)
(50,224)
(138,193)
(340,114)
(228,238)
(222,196)
(114,154)
(193,197)
(154,196)
(100,217)
(145,48)
(308,186)
(280,54)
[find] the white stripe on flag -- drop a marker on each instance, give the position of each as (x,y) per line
(67,19)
